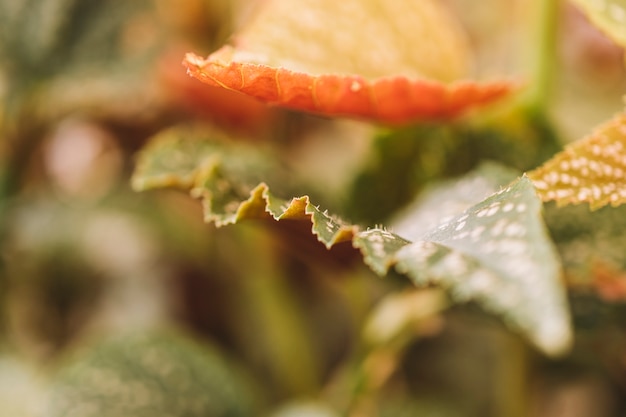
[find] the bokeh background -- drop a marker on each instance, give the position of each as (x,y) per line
(117,303)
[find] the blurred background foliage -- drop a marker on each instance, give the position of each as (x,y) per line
(117,303)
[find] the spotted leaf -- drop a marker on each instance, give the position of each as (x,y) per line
(400,61)
(608,15)
(160,372)
(495,253)
(442,200)
(592,170)
(499,254)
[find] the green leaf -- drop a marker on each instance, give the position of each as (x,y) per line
(588,240)
(192,156)
(443,200)
(172,159)
(496,253)
(44,38)
(608,15)
(499,254)
(81,55)
(154,373)
(591,170)
(404,161)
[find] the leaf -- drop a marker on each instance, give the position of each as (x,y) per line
(591,170)
(608,15)
(392,100)
(181,155)
(399,313)
(24,390)
(227,108)
(147,374)
(53,51)
(441,201)
(496,253)
(174,161)
(300,408)
(499,254)
(390,67)
(372,38)
(404,161)
(586,239)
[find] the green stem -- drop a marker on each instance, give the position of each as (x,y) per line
(511,379)
(19,140)
(283,340)
(543,50)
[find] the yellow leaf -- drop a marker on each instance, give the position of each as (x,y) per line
(371,38)
(591,170)
(608,15)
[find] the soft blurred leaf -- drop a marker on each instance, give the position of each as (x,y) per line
(183,155)
(56,50)
(588,240)
(496,253)
(158,373)
(23,392)
(608,15)
(591,170)
(224,107)
(43,38)
(172,160)
(304,409)
(415,39)
(401,161)
(399,313)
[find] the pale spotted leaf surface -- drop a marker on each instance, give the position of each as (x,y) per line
(443,200)
(608,15)
(496,253)
(591,170)
(379,248)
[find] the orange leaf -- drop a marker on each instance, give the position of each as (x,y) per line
(381,60)
(396,99)
(609,282)
(223,107)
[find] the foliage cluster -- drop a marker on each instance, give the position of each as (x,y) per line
(405,208)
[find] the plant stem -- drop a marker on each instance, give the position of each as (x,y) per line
(511,378)
(19,139)
(543,53)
